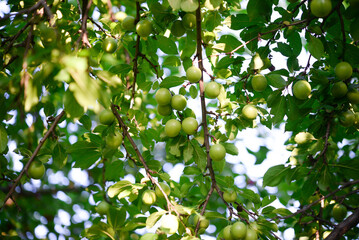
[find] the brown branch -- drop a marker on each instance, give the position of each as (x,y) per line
(345,185)
(83,37)
(41,143)
(204,207)
(344,226)
(24,11)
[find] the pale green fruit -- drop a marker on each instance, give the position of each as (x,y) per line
(343,71)
(106,117)
(303,137)
(212,89)
(190,125)
(353,96)
(227,233)
(113,141)
(165,188)
(149,197)
(169,224)
(250,112)
(163,96)
(102,208)
(144,28)
(230,196)
(189,21)
(259,83)
(128,23)
(238,230)
(302,89)
(193,74)
(178,102)
(339,212)
(36,170)
(339,89)
(217,152)
(347,118)
(172,128)
(320,8)
(251,235)
(164,110)
(178,29)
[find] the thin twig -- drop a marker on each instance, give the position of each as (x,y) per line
(137,54)
(41,143)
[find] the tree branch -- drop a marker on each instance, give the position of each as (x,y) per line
(137,53)
(42,141)
(344,226)
(83,37)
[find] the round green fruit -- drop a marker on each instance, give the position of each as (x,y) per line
(343,71)
(303,137)
(178,102)
(172,128)
(163,96)
(302,89)
(353,96)
(321,8)
(193,74)
(217,152)
(250,112)
(36,170)
(169,224)
(204,222)
(113,141)
(144,28)
(238,230)
(109,45)
(339,212)
(178,29)
(106,117)
(190,125)
(347,118)
(339,89)
(251,235)
(164,110)
(165,188)
(230,196)
(212,89)
(102,208)
(128,23)
(227,233)
(259,83)
(149,197)
(189,21)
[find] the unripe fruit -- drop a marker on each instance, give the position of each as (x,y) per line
(128,23)
(165,188)
(193,74)
(303,137)
(250,112)
(204,222)
(217,152)
(102,208)
(251,235)
(113,141)
(109,45)
(172,128)
(339,89)
(302,89)
(259,83)
(212,89)
(36,170)
(177,28)
(347,118)
(169,223)
(189,21)
(106,117)
(343,71)
(353,96)
(164,110)
(227,233)
(144,28)
(321,8)
(238,230)
(339,212)
(190,125)
(178,102)
(163,96)
(230,196)
(149,197)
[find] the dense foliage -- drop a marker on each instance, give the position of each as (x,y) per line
(121,89)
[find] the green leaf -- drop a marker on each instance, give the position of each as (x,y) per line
(230,148)
(3,138)
(172,61)
(240,21)
(284,49)
(167,45)
(171,81)
(200,157)
(259,10)
(227,43)
(59,156)
(86,122)
(149,236)
(153,218)
(84,154)
(99,229)
(189,5)
(279,109)
(193,91)
(191,171)
(187,153)
(114,170)
(282,211)
(250,195)
(276,80)
(72,107)
(116,217)
(118,187)
(261,155)
(315,47)
(268,200)
(274,175)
